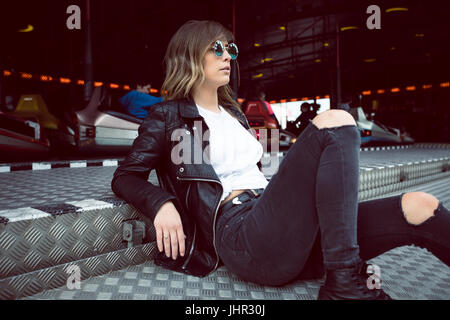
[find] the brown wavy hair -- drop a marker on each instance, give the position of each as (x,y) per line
(184,60)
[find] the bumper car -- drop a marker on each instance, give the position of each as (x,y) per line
(20,137)
(32,107)
(100,127)
(375,133)
(262,121)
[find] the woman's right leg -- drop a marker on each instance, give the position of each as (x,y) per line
(316,187)
(269,239)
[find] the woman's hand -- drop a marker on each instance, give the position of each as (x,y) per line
(170,236)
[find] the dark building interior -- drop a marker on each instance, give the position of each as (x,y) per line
(291,48)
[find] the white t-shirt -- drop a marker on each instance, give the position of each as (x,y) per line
(234,152)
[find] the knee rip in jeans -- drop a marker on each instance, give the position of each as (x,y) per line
(333,119)
(419,208)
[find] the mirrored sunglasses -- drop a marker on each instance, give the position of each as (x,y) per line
(219,49)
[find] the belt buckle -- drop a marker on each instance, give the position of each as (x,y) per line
(236,200)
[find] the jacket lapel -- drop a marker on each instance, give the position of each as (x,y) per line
(188,109)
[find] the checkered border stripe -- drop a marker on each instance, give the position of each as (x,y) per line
(13,215)
(59,164)
(9,167)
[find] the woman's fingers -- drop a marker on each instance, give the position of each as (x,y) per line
(166,241)
(169,231)
(181,241)
(171,241)
(174,243)
(177,238)
(159,237)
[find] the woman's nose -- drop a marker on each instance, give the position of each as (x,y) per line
(226,55)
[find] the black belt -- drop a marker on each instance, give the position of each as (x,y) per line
(241,198)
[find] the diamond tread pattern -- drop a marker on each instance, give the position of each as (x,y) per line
(407,273)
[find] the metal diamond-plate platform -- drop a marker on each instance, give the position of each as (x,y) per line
(29,188)
(73,216)
(407,273)
(58,275)
(412,154)
(62,185)
(39,243)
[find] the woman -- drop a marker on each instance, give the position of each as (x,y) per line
(214,206)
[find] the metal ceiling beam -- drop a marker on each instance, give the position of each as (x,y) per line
(296,65)
(329,8)
(288,43)
(282,62)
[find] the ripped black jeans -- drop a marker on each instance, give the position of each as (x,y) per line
(268,239)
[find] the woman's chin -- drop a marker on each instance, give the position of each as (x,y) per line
(225,82)
(220,82)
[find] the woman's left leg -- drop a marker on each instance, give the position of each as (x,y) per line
(414,218)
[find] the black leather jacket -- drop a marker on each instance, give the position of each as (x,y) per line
(191,184)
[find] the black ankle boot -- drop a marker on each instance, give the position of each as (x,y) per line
(349,284)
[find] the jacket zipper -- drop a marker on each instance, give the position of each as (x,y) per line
(187,196)
(195,233)
(214,223)
(191,250)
